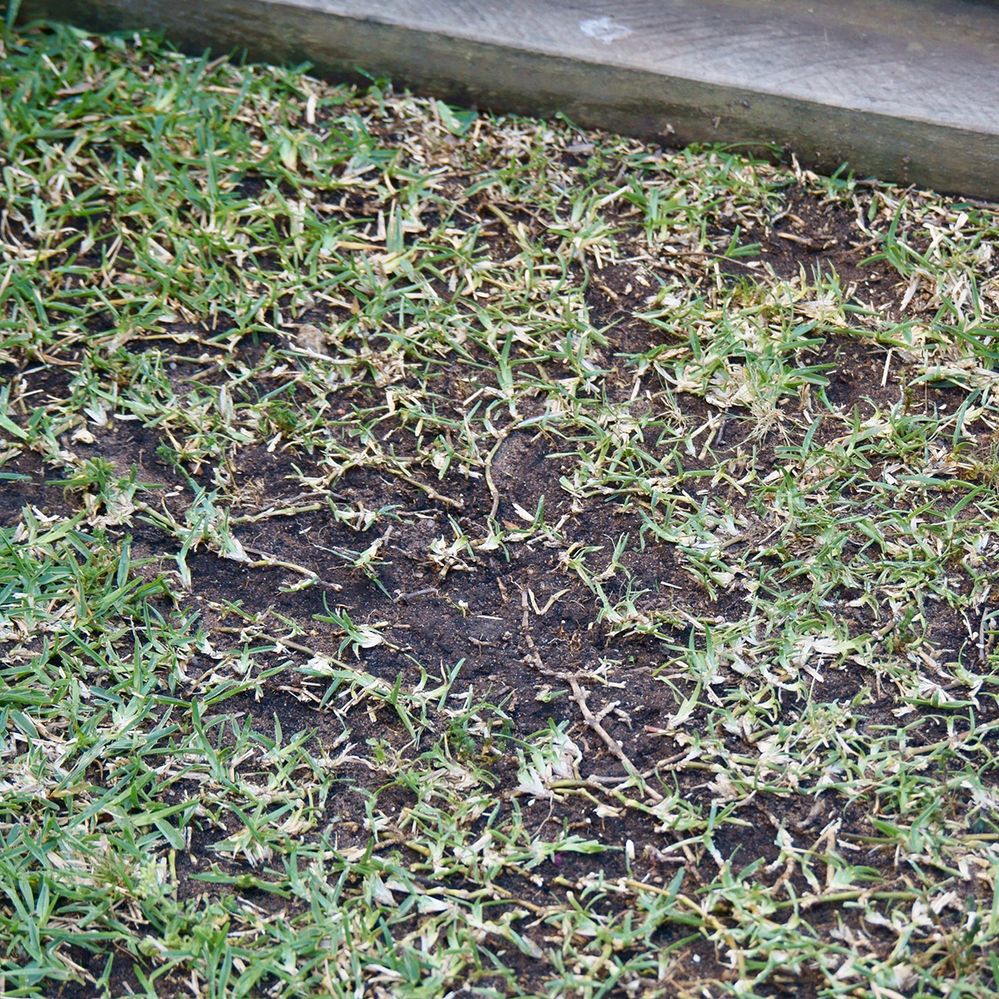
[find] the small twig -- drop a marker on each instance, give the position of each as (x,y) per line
(809,244)
(429,490)
(610,743)
(267,561)
(427,591)
(263,636)
(494,492)
(494,509)
(288,510)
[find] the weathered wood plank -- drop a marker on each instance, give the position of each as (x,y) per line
(907,90)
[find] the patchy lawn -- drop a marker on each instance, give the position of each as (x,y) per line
(446,555)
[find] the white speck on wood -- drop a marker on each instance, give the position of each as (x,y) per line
(604,29)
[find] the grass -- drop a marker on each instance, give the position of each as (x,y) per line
(448,555)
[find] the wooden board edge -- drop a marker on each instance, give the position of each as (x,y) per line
(669,110)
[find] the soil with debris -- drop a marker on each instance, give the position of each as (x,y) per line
(581,558)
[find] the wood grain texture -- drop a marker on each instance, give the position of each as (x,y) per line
(907,90)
